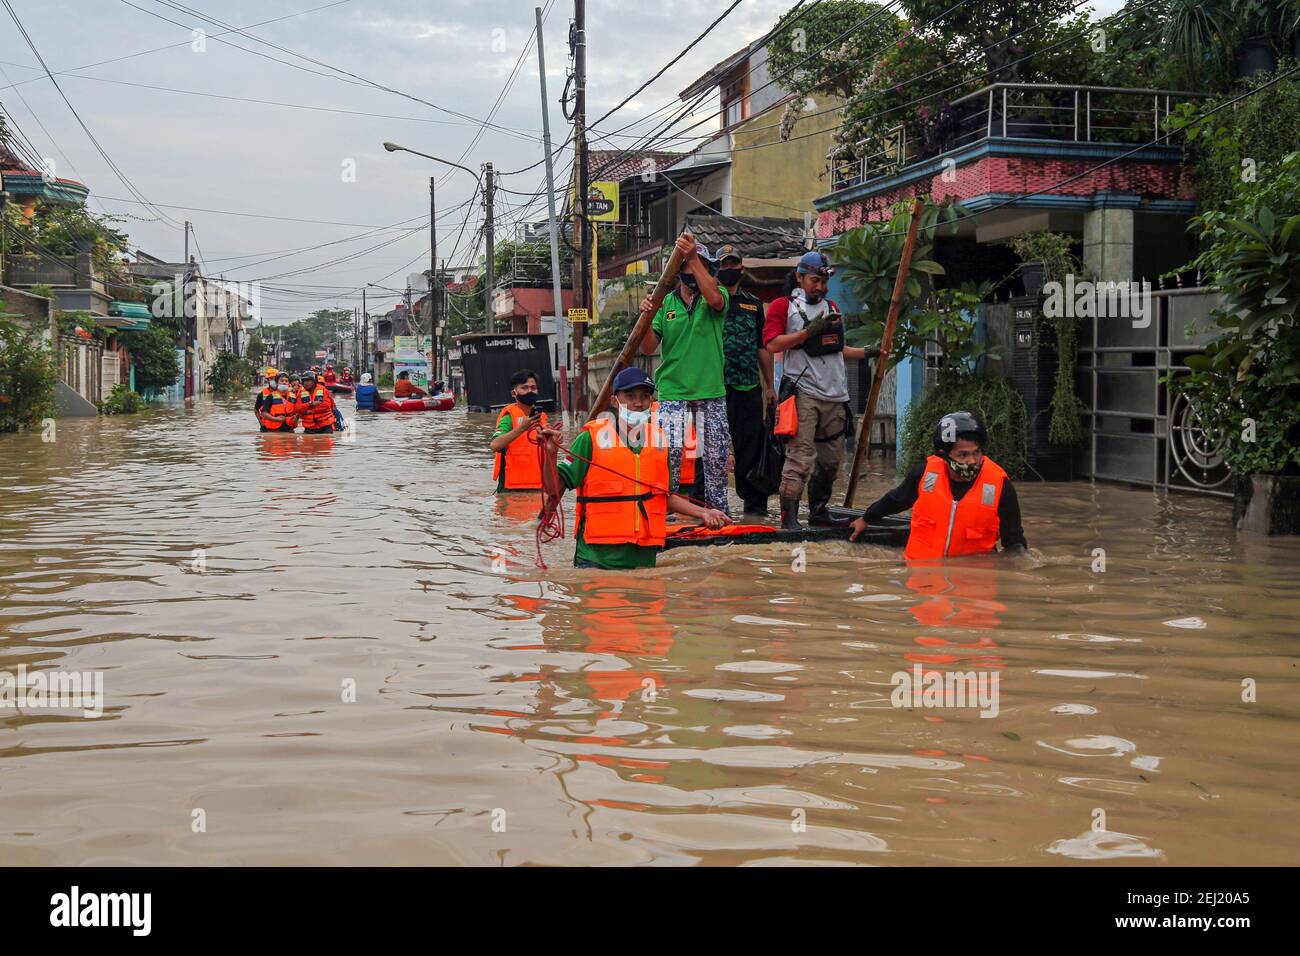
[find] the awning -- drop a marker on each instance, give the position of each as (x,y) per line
(128,316)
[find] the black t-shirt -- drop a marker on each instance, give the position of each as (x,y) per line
(1010,532)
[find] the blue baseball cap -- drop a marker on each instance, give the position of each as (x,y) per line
(632,377)
(817,264)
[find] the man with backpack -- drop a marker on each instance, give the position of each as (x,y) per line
(809,329)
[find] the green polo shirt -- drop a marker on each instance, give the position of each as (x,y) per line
(690,345)
(617,557)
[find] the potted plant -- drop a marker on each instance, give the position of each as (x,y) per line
(1246,384)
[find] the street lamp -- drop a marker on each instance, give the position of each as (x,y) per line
(489,318)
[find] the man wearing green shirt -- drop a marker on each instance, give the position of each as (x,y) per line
(692,388)
(616,464)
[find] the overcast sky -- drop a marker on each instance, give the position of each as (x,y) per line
(197,153)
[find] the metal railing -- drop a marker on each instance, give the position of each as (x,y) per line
(1035,111)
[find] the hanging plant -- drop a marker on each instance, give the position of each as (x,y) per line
(1052,253)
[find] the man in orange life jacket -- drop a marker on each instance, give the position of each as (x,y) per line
(619,466)
(267,393)
(280,412)
(515,463)
(315,406)
(961,501)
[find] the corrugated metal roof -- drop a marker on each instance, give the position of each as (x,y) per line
(762,237)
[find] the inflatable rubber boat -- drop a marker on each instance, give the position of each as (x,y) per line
(891,531)
(338,388)
(429,403)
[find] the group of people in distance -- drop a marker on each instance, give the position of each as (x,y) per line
(665,447)
(287,401)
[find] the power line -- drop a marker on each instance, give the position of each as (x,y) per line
(86,129)
(171,46)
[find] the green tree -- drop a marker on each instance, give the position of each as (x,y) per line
(153,352)
(1246,385)
(27,377)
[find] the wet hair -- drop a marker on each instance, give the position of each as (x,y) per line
(521,377)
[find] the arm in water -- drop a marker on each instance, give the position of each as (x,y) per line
(891,502)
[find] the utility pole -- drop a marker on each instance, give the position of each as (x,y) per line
(365,334)
(561,320)
(444,312)
(191,334)
(435,313)
(581,279)
(489,187)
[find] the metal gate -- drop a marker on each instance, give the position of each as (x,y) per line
(1137,431)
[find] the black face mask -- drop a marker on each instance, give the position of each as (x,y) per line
(528,399)
(728,277)
(689,280)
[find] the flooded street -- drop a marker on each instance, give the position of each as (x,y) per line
(724,708)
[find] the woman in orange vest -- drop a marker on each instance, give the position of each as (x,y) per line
(315,406)
(619,466)
(962,502)
(515,464)
(405,388)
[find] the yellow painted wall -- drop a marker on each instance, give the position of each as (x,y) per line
(782,179)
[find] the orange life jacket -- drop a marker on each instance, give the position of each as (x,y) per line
(613,509)
(286,405)
(316,408)
(944,528)
(519,458)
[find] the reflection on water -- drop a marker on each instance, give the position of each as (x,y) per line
(344,652)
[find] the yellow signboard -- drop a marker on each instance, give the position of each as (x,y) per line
(602,201)
(577,315)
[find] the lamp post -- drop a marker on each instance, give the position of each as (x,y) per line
(433,245)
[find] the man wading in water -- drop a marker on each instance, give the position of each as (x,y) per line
(809,329)
(962,502)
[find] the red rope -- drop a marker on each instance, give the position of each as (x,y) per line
(550,525)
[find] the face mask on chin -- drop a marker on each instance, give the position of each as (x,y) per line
(688,279)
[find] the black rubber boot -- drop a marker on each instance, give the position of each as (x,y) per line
(820,486)
(790,515)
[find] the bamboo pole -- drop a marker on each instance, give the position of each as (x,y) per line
(639,330)
(886,345)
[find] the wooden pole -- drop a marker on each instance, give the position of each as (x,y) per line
(639,330)
(886,344)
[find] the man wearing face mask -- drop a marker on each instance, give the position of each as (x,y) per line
(515,464)
(809,329)
(692,388)
(619,466)
(747,373)
(962,501)
(279,412)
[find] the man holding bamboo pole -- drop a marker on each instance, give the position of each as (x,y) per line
(692,388)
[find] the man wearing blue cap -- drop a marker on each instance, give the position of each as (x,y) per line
(692,388)
(809,329)
(619,466)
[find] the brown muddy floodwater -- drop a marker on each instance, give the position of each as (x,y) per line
(722,709)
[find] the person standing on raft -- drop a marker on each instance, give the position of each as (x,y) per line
(809,329)
(515,462)
(688,332)
(962,501)
(619,466)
